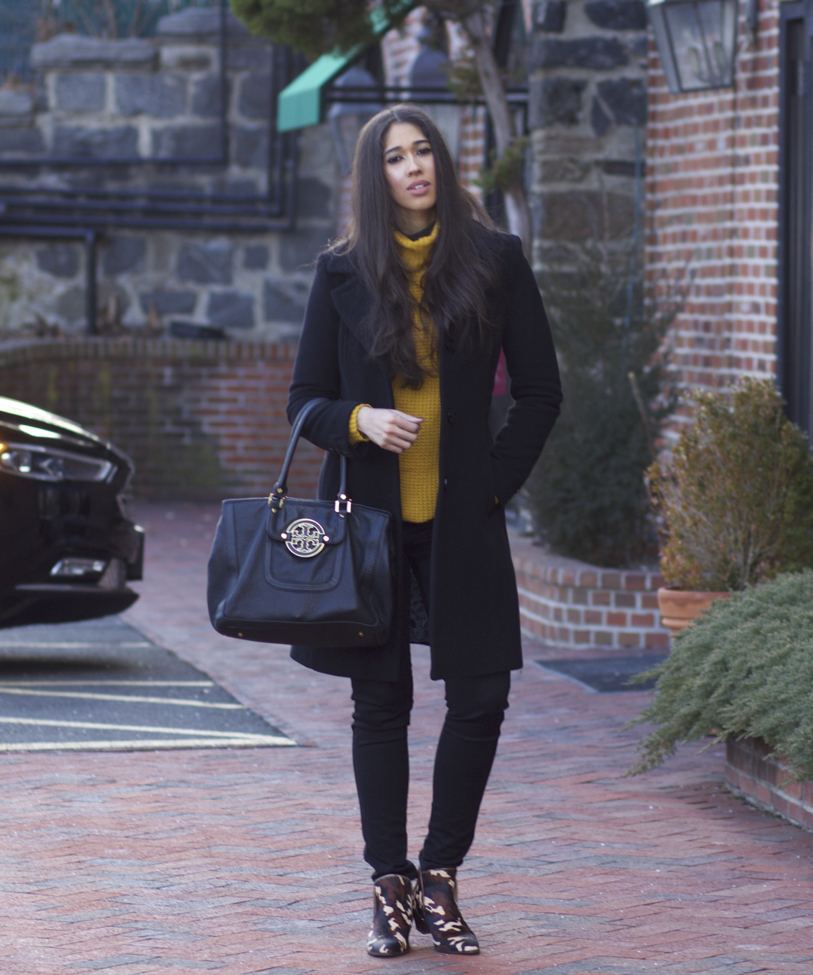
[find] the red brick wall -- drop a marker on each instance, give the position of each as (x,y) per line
(754,772)
(566,603)
(711,188)
(201,420)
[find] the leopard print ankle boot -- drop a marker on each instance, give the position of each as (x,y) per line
(393,908)
(437,913)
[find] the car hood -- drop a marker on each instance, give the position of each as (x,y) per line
(40,426)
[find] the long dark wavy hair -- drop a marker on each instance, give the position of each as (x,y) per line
(461,268)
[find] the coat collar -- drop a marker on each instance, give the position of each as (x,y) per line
(339,264)
(350,297)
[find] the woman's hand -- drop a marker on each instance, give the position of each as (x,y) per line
(390,429)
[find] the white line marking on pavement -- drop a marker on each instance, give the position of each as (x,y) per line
(107,683)
(124,697)
(146,744)
(51,723)
(19,644)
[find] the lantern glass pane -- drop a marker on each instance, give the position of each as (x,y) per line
(687,42)
(346,128)
(662,39)
(703,37)
(447,119)
(719,32)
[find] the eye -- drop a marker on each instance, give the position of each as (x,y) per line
(394,159)
(424,150)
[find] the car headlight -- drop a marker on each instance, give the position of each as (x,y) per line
(47,464)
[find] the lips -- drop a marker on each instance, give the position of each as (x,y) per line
(418,187)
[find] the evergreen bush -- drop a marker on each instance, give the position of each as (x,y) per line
(744,670)
(736,500)
(587,495)
(99,18)
(316,26)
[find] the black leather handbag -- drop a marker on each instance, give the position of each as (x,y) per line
(314,573)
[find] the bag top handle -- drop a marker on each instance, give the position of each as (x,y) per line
(278,494)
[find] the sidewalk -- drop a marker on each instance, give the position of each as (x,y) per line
(248,860)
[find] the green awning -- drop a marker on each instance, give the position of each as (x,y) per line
(302,102)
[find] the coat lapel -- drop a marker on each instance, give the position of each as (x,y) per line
(350,298)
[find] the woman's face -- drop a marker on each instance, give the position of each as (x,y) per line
(409,167)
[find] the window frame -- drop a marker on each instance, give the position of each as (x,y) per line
(795,231)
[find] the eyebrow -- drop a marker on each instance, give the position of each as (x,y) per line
(417,142)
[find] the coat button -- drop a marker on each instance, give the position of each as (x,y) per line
(451,416)
(445,483)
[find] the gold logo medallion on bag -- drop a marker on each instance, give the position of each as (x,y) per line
(304,537)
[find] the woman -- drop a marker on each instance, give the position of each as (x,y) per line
(401,339)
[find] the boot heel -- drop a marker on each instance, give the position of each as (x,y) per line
(417,917)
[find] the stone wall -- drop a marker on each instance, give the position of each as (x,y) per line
(160,98)
(588,96)
(712,211)
(201,420)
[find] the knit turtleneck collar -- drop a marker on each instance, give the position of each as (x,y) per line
(427,230)
(416,252)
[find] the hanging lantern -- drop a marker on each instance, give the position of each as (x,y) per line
(348,116)
(429,83)
(696,41)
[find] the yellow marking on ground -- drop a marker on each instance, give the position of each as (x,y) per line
(181,702)
(53,723)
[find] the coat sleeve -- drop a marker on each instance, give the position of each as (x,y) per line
(316,373)
(534,374)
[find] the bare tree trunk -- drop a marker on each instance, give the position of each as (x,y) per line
(135,20)
(112,27)
(516,203)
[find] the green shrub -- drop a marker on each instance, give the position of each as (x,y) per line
(316,26)
(736,501)
(587,494)
(111,18)
(743,670)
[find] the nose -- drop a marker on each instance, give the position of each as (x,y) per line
(414,165)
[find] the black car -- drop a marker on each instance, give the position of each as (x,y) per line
(67,548)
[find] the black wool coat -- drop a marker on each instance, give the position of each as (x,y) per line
(474,610)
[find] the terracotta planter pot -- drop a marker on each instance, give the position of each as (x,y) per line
(680,606)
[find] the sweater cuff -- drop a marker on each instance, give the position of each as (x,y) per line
(354,435)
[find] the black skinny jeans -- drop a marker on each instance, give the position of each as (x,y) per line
(474,712)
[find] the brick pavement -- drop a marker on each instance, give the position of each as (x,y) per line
(247,861)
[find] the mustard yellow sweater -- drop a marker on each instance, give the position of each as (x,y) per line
(419,464)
